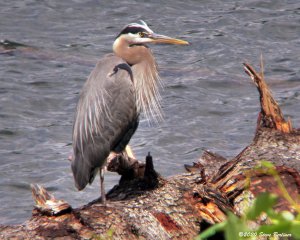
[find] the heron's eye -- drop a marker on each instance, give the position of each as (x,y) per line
(141,34)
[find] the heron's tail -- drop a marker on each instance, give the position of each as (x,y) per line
(83,173)
(87,162)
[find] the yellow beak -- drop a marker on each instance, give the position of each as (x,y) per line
(157,38)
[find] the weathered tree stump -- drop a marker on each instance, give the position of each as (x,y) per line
(146,206)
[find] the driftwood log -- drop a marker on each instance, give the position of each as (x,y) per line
(146,206)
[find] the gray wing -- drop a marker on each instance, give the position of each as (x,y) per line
(106,117)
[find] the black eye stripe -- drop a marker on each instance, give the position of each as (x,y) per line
(133,30)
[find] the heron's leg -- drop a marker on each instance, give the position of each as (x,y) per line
(103,197)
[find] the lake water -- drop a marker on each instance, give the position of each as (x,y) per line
(208,100)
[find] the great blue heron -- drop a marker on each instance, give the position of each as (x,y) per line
(121,86)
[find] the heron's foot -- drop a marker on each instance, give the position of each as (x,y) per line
(111,156)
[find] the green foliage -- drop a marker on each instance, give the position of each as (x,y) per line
(212,230)
(282,222)
(108,236)
(234,226)
(263,203)
(279,224)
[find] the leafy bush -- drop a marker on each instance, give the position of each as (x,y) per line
(281,225)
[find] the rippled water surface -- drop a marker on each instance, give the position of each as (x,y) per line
(208,101)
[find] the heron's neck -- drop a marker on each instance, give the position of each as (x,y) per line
(146,82)
(145,76)
(131,54)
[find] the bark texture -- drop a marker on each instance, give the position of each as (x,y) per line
(146,206)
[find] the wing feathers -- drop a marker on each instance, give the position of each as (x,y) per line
(105,118)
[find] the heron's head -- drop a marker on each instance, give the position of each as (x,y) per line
(130,46)
(140,34)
